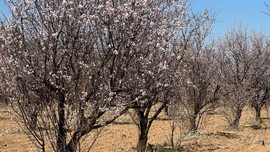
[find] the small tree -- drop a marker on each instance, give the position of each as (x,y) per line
(152,75)
(235,64)
(153,83)
(260,73)
(198,90)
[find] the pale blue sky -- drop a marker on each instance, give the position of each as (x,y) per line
(229,12)
(3,8)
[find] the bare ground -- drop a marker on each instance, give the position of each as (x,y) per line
(214,135)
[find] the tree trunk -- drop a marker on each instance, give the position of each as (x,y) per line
(238,115)
(142,142)
(143,136)
(34,119)
(62,131)
(166,110)
(73,144)
(193,125)
(258,113)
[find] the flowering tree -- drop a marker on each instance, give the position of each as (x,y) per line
(4,79)
(198,88)
(150,78)
(152,87)
(235,65)
(260,72)
(74,61)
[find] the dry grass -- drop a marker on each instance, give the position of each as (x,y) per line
(214,135)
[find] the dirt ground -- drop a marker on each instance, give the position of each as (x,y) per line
(214,135)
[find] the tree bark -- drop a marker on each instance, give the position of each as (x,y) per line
(238,115)
(73,143)
(34,119)
(166,110)
(193,126)
(258,113)
(143,135)
(62,132)
(142,142)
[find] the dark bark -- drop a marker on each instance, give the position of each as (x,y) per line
(143,129)
(173,127)
(166,110)
(258,113)
(34,119)
(73,144)
(193,124)
(193,119)
(259,103)
(86,128)
(238,115)
(62,132)
(143,136)
(74,141)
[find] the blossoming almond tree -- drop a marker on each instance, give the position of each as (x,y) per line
(150,78)
(5,79)
(259,72)
(152,86)
(235,65)
(74,60)
(198,89)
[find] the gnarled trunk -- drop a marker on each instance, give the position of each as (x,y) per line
(258,113)
(142,141)
(237,117)
(193,118)
(62,131)
(143,135)
(34,120)
(193,125)
(73,144)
